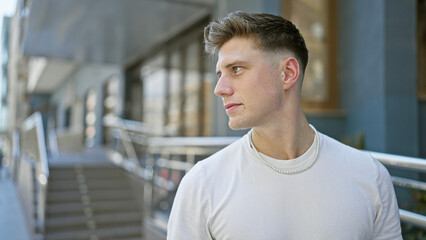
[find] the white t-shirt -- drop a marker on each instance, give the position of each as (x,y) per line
(346,194)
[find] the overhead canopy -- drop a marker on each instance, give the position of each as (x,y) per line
(107,31)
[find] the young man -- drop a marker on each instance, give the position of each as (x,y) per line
(283,180)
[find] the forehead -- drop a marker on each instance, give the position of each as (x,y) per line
(237,50)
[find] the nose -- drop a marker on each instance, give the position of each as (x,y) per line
(223,88)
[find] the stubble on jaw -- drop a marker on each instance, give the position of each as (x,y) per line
(241,124)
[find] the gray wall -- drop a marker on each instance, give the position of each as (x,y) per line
(377,77)
(377,73)
(401,78)
(361,69)
(422,129)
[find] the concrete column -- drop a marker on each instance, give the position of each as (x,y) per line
(361,67)
(401,104)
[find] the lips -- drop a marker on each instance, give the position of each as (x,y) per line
(231,106)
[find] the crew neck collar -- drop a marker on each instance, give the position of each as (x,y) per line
(286,165)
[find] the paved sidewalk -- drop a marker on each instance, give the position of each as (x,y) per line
(12,220)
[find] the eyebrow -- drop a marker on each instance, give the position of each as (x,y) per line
(236,62)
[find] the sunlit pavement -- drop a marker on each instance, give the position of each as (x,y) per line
(12,220)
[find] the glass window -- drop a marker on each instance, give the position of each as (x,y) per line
(315,19)
(192,87)
(90,118)
(111,97)
(175,76)
(154,78)
(175,84)
(110,105)
(209,83)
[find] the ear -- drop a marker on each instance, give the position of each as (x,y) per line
(290,72)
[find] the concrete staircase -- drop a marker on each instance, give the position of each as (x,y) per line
(92,200)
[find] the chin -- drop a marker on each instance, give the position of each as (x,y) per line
(237,125)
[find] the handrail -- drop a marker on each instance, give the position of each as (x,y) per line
(409,183)
(15,155)
(138,127)
(124,127)
(34,125)
(408,163)
(412,218)
(53,144)
(35,121)
(130,150)
(158,152)
(181,145)
(400,161)
(191,141)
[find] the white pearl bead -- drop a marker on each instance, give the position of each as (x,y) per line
(294,171)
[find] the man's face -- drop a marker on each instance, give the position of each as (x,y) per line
(249,84)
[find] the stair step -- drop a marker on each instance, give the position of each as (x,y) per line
(114,206)
(64,208)
(77,208)
(72,196)
(111,232)
(56,224)
(73,184)
(115,218)
(69,221)
(124,231)
(106,218)
(108,209)
(64,196)
(125,238)
(89,172)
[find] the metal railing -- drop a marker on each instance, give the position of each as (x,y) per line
(179,154)
(53,144)
(33,156)
(15,156)
(161,163)
(407,163)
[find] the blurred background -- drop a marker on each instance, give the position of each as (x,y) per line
(92,91)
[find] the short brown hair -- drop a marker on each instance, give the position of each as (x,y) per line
(272,33)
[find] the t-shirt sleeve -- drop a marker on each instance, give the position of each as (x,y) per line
(189,216)
(387,223)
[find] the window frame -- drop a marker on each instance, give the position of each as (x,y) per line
(331,102)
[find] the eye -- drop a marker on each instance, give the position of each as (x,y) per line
(236,69)
(218,74)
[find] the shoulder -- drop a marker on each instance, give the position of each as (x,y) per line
(198,183)
(216,163)
(336,148)
(223,157)
(352,159)
(215,171)
(193,179)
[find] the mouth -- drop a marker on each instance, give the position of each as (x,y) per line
(231,107)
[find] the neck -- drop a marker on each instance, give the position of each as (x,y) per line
(288,139)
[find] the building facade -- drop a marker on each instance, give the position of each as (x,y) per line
(79,62)
(3,80)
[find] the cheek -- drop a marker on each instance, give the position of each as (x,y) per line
(266,97)
(270,95)
(269,85)
(262,89)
